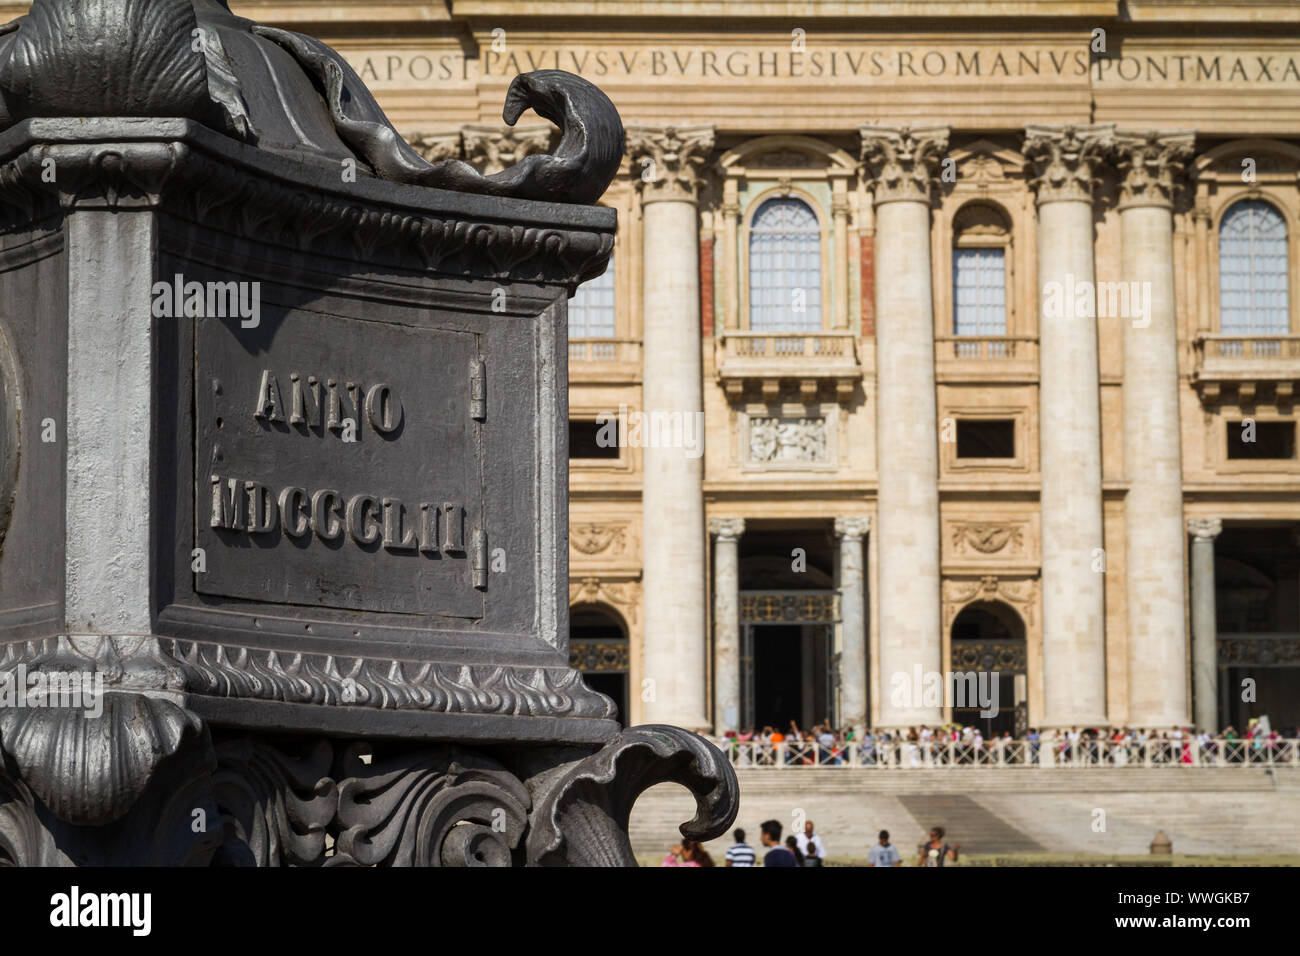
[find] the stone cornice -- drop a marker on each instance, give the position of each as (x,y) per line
(1065,159)
(903,162)
(193,173)
(669,161)
(1153,165)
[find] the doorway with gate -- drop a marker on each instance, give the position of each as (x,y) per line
(988,639)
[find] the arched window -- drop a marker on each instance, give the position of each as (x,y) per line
(979,276)
(1252,270)
(785,268)
(591,310)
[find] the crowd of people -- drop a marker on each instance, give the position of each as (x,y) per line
(828,746)
(807,849)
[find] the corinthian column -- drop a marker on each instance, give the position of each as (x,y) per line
(1205,664)
(853,627)
(902,164)
(726,623)
(668,162)
(1074,649)
(1152,167)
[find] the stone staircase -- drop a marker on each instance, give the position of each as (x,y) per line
(1211,810)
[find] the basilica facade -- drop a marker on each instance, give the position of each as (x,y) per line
(938,337)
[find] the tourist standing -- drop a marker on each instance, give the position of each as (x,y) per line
(884,853)
(935,852)
(740,853)
(687,853)
(776,855)
(792,844)
(807,837)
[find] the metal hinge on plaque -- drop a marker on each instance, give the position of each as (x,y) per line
(477,390)
(479,559)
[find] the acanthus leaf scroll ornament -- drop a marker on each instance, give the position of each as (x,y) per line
(582,818)
(441,807)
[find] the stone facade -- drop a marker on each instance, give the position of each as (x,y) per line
(1083,143)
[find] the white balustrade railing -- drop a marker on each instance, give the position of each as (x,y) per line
(1049,752)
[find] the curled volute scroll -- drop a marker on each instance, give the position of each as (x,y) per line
(582,819)
(282,91)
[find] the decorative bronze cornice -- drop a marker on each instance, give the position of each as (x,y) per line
(201,176)
(218,670)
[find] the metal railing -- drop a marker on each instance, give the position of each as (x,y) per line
(910,755)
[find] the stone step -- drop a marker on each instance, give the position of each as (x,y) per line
(959,814)
(1115,811)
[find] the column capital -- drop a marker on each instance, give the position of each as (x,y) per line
(1204,527)
(1064,159)
(669,161)
(490,149)
(435,147)
(902,161)
(855,526)
(727,529)
(1153,166)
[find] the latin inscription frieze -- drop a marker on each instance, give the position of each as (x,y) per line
(841,62)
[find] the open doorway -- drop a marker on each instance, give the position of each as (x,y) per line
(988,638)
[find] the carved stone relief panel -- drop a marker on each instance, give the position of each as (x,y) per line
(772,440)
(990,539)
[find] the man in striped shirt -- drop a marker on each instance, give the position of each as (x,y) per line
(740,853)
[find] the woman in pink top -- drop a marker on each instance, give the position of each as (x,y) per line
(687,853)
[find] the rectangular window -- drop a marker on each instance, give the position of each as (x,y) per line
(979,292)
(590,439)
(591,310)
(995,438)
(1252,440)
